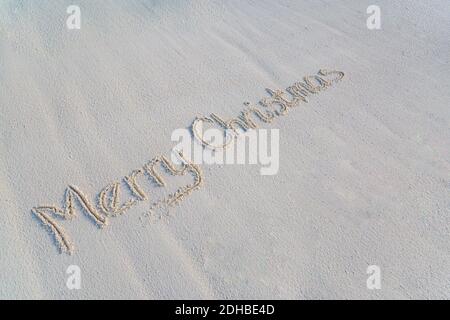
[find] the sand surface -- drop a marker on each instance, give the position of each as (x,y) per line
(364,175)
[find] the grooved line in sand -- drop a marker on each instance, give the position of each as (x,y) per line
(108,200)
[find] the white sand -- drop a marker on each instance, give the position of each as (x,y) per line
(364,173)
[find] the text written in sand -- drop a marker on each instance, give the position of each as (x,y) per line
(110,200)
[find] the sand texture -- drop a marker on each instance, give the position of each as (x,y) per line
(86,177)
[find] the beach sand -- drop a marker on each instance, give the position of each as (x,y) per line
(364,175)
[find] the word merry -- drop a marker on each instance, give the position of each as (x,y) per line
(110,202)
